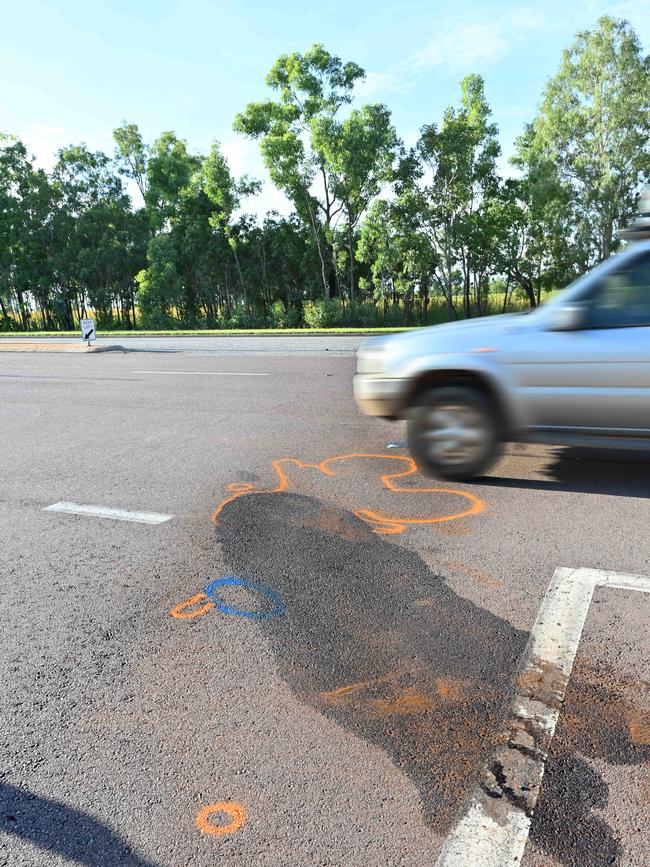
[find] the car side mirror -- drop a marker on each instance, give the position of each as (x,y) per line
(568,317)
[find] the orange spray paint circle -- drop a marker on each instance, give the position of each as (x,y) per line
(236,811)
(186,610)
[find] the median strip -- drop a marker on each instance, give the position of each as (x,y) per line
(34,346)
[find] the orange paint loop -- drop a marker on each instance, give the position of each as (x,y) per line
(180,611)
(236,811)
(383,524)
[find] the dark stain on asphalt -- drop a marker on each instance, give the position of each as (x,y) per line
(63,830)
(599,719)
(376,641)
(564,823)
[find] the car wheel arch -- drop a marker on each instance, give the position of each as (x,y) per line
(482,382)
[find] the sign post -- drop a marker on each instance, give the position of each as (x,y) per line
(88,330)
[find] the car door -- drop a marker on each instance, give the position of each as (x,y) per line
(596,377)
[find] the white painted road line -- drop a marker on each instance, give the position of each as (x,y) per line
(198,373)
(493,829)
(114,514)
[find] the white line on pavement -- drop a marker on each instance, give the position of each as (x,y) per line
(493,829)
(199,373)
(114,514)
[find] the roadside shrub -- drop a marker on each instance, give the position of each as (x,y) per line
(283,316)
(242,318)
(361,315)
(323,314)
(395,316)
(9,325)
(158,320)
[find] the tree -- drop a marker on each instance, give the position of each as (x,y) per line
(443,182)
(312,88)
(16,179)
(358,153)
(91,210)
(594,127)
(400,257)
(535,241)
(132,155)
(192,200)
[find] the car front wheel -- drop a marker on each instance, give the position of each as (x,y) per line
(453,433)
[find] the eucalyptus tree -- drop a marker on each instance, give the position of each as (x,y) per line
(593,126)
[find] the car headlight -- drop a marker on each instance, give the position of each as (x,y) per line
(373,354)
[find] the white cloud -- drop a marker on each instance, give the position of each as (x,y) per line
(382,83)
(467,46)
(463,47)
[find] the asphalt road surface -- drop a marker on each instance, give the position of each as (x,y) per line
(304,664)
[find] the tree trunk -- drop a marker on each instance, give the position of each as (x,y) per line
(3,309)
(22,311)
(261,255)
(527,285)
(241,279)
(425,297)
(507,292)
(448,280)
(352,272)
(466,299)
(316,230)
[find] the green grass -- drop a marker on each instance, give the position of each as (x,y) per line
(205,332)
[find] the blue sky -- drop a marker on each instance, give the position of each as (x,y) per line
(72,70)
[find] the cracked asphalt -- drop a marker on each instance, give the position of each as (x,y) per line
(344,725)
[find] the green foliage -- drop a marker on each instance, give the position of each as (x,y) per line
(240,317)
(323,313)
(380,235)
(326,166)
(593,129)
(281,316)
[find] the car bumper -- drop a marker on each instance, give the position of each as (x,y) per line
(377,396)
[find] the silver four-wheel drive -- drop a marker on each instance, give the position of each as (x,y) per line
(575,371)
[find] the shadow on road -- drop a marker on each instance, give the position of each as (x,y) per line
(375,641)
(63,830)
(587,471)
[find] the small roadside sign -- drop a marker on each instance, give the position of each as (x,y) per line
(88,330)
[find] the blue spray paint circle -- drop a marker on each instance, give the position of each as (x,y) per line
(278,604)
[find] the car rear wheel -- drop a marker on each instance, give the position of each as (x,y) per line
(453,433)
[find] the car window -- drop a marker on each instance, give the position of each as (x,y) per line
(622,298)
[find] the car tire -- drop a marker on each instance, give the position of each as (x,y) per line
(453,433)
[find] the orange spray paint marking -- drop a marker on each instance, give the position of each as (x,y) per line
(180,611)
(236,811)
(476,574)
(407,703)
(639,728)
(382,524)
(336,696)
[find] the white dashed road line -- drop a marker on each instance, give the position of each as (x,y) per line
(114,514)
(199,373)
(493,829)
